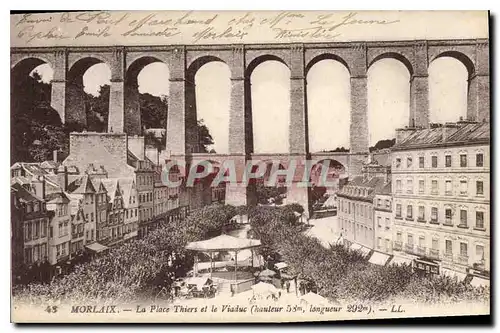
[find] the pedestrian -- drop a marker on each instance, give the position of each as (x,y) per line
(287,284)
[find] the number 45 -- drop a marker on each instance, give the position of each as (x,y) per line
(51,309)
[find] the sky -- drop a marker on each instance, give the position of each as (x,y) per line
(328,92)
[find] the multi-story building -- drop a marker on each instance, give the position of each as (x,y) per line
(84,197)
(441,194)
(59,231)
(30,231)
(356,203)
(78,226)
(382,209)
(113,233)
(131,207)
(160,195)
(145,188)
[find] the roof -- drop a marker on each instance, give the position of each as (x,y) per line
(111,185)
(463,134)
(126,186)
(86,186)
(384,190)
(374,185)
(132,159)
(33,169)
(57,198)
(24,195)
(223,242)
(49,164)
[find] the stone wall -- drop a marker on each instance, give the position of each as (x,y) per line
(107,149)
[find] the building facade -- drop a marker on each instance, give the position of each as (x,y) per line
(382,210)
(441,194)
(356,204)
(59,231)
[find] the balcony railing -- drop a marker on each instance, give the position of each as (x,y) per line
(421,250)
(434,253)
(398,246)
(463,260)
(448,256)
(409,248)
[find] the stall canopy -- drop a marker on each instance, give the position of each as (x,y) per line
(223,243)
(264,288)
(96,247)
(199,282)
(267,272)
(314,299)
(281,265)
(379,258)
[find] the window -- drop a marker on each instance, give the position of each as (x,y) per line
(435,188)
(447,216)
(463,160)
(60,229)
(379,202)
(435,243)
(463,187)
(399,236)
(480,220)
(91,217)
(409,162)
(447,187)
(421,186)
(398,162)
(398,185)
(409,212)
(463,249)
(421,162)
(479,160)
(421,213)
(387,223)
(379,222)
(398,210)
(379,242)
(421,241)
(479,187)
(448,247)
(409,186)
(447,161)
(479,252)
(410,239)
(463,218)
(43,231)
(387,204)
(434,161)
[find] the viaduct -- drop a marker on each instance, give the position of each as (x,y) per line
(70,63)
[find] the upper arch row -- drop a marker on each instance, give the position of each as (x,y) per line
(242,62)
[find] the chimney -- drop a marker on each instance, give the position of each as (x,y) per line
(62,178)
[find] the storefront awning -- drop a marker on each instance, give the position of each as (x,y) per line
(400,261)
(355,246)
(453,274)
(365,251)
(479,282)
(96,247)
(379,258)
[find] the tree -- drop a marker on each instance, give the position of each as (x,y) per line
(97,109)
(383,144)
(204,137)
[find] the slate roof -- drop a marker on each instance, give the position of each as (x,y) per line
(374,185)
(126,185)
(24,195)
(57,198)
(86,186)
(464,134)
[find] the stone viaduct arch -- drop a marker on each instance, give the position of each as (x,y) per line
(126,61)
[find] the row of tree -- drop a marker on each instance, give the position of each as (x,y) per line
(137,269)
(344,275)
